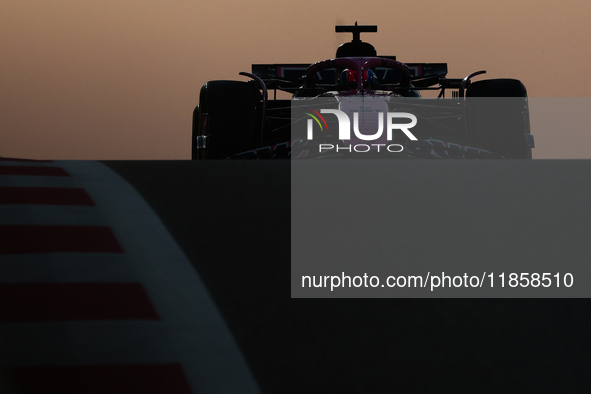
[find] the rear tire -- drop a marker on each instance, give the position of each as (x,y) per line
(498,117)
(228,115)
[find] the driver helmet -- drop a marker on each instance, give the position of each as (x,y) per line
(349,78)
(369,77)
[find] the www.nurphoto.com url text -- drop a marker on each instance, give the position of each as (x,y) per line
(441,281)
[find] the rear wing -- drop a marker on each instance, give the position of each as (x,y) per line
(295,72)
(292,72)
(290,77)
(427,70)
(286,77)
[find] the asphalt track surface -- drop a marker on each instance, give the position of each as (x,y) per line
(232,221)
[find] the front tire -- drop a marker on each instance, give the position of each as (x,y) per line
(498,117)
(228,117)
(195,133)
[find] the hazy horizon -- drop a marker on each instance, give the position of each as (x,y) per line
(119,80)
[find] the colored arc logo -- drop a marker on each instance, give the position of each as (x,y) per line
(315,116)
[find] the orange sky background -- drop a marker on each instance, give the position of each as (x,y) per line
(119,79)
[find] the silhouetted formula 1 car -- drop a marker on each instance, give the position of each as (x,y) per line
(481,119)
